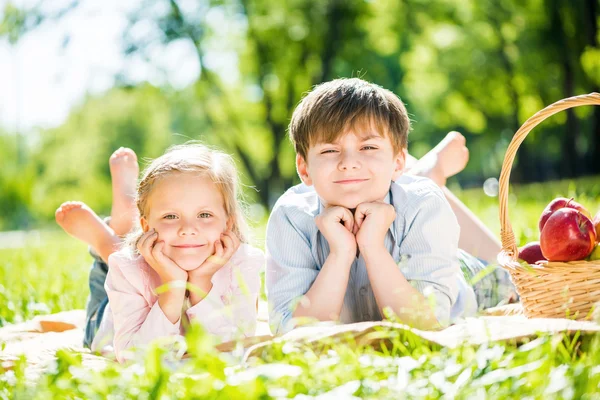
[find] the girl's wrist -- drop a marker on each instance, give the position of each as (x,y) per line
(201,274)
(171,303)
(172,298)
(199,288)
(166,277)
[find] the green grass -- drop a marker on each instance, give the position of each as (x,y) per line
(527,202)
(50,275)
(548,367)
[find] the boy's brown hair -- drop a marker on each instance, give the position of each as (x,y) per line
(333,107)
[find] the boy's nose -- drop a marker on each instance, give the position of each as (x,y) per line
(348,161)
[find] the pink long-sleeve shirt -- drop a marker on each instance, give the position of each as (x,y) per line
(133,317)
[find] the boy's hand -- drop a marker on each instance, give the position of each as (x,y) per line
(373,220)
(337,226)
(152,251)
(225,247)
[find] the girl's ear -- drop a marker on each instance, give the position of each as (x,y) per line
(399,163)
(302,168)
(144,224)
(229,223)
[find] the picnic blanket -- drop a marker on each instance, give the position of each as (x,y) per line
(40,338)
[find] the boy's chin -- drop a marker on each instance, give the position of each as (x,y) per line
(350,205)
(351,202)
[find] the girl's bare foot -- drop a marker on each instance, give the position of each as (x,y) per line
(124,171)
(81,222)
(446,159)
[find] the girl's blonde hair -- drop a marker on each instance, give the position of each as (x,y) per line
(198,159)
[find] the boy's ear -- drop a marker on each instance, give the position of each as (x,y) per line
(302,169)
(144,224)
(399,163)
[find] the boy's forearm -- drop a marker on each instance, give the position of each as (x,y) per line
(392,289)
(325,298)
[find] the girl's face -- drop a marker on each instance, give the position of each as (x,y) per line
(188,213)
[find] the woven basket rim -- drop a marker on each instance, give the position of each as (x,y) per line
(509,254)
(551,289)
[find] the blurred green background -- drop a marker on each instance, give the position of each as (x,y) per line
(481,68)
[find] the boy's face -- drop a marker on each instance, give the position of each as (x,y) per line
(357,168)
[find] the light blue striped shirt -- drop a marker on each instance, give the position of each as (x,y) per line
(424,236)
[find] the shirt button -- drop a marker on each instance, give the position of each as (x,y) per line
(363,291)
(367,317)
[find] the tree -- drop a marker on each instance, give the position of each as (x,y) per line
(481,68)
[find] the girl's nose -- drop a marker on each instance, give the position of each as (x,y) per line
(187,230)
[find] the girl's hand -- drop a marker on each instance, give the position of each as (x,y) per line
(201,277)
(152,251)
(225,247)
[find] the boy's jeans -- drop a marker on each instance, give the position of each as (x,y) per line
(492,287)
(98,299)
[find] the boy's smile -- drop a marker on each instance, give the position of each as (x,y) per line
(357,168)
(350,181)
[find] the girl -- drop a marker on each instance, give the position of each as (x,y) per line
(192,230)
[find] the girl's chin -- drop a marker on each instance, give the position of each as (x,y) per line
(190,265)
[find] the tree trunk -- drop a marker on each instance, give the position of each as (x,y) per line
(525,169)
(569,160)
(591,11)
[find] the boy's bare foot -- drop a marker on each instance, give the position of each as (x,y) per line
(124,171)
(446,159)
(81,222)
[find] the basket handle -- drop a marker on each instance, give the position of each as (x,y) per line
(509,251)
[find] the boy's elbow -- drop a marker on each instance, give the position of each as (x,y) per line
(280,323)
(441,312)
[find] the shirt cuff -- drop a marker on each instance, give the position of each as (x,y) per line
(209,307)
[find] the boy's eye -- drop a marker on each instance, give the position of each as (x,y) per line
(170,216)
(368,147)
(327,151)
(204,215)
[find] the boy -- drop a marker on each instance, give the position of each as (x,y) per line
(349,242)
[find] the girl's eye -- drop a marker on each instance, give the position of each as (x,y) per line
(205,215)
(170,216)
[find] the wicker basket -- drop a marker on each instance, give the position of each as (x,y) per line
(552,289)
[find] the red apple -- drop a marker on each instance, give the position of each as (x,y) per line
(596,222)
(531,253)
(557,204)
(568,235)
